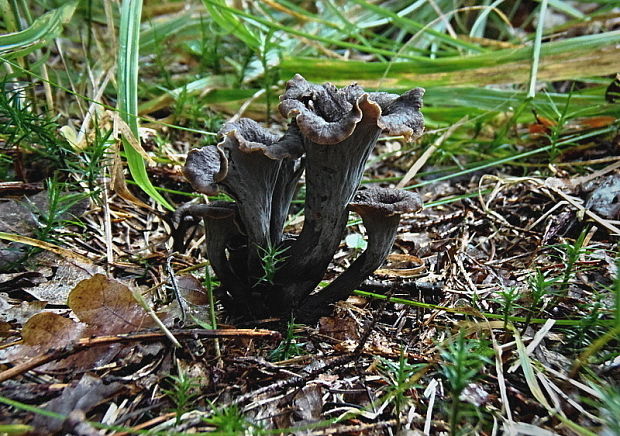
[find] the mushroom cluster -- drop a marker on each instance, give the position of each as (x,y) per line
(330,137)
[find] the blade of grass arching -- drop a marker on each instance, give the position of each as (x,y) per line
(414,27)
(469,311)
(536,49)
(567,9)
(228,21)
(128,93)
(582,56)
(351,29)
(478,28)
(39,33)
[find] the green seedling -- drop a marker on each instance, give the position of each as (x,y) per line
(508,299)
(58,213)
(183,392)
(229,421)
(271,257)
(290,346)
(582,335)
(540,286)
(464,359)
(399,375)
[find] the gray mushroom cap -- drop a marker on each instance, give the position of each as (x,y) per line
(328,115)
(385,202)
(204,168)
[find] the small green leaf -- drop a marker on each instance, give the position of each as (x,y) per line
(356,241)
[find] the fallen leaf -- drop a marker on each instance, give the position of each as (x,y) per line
(338,328)
(104,307)
(107,306)
(192,291)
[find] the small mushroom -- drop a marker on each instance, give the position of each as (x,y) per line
(380,210)
(204,168)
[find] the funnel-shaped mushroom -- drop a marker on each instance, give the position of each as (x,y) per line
(380,210)
(333,131)
(340,128)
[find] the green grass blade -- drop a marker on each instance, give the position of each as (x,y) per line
(128,93)
(414,27)
(536,49)
(571,58)
(42,30)
(223,16)
(567,9)
(469,311)
(292,31)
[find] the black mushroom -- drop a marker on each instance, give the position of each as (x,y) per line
(330,137)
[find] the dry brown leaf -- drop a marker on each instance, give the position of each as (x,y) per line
(107,306)
(192,290)
(338,328)
(118,182)
(43,332)
(47,328)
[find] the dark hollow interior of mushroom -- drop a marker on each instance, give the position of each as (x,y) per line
(263,272)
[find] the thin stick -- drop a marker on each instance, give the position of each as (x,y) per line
(85,343)
(175,287)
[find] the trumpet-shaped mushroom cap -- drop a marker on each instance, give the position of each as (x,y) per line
(204,168)
(327,115)
(252,137)
(385,202)
(402,115)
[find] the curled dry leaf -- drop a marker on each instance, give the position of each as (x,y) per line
(402,265)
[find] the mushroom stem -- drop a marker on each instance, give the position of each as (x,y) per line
(381,235)
(221,233)
(284,190)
